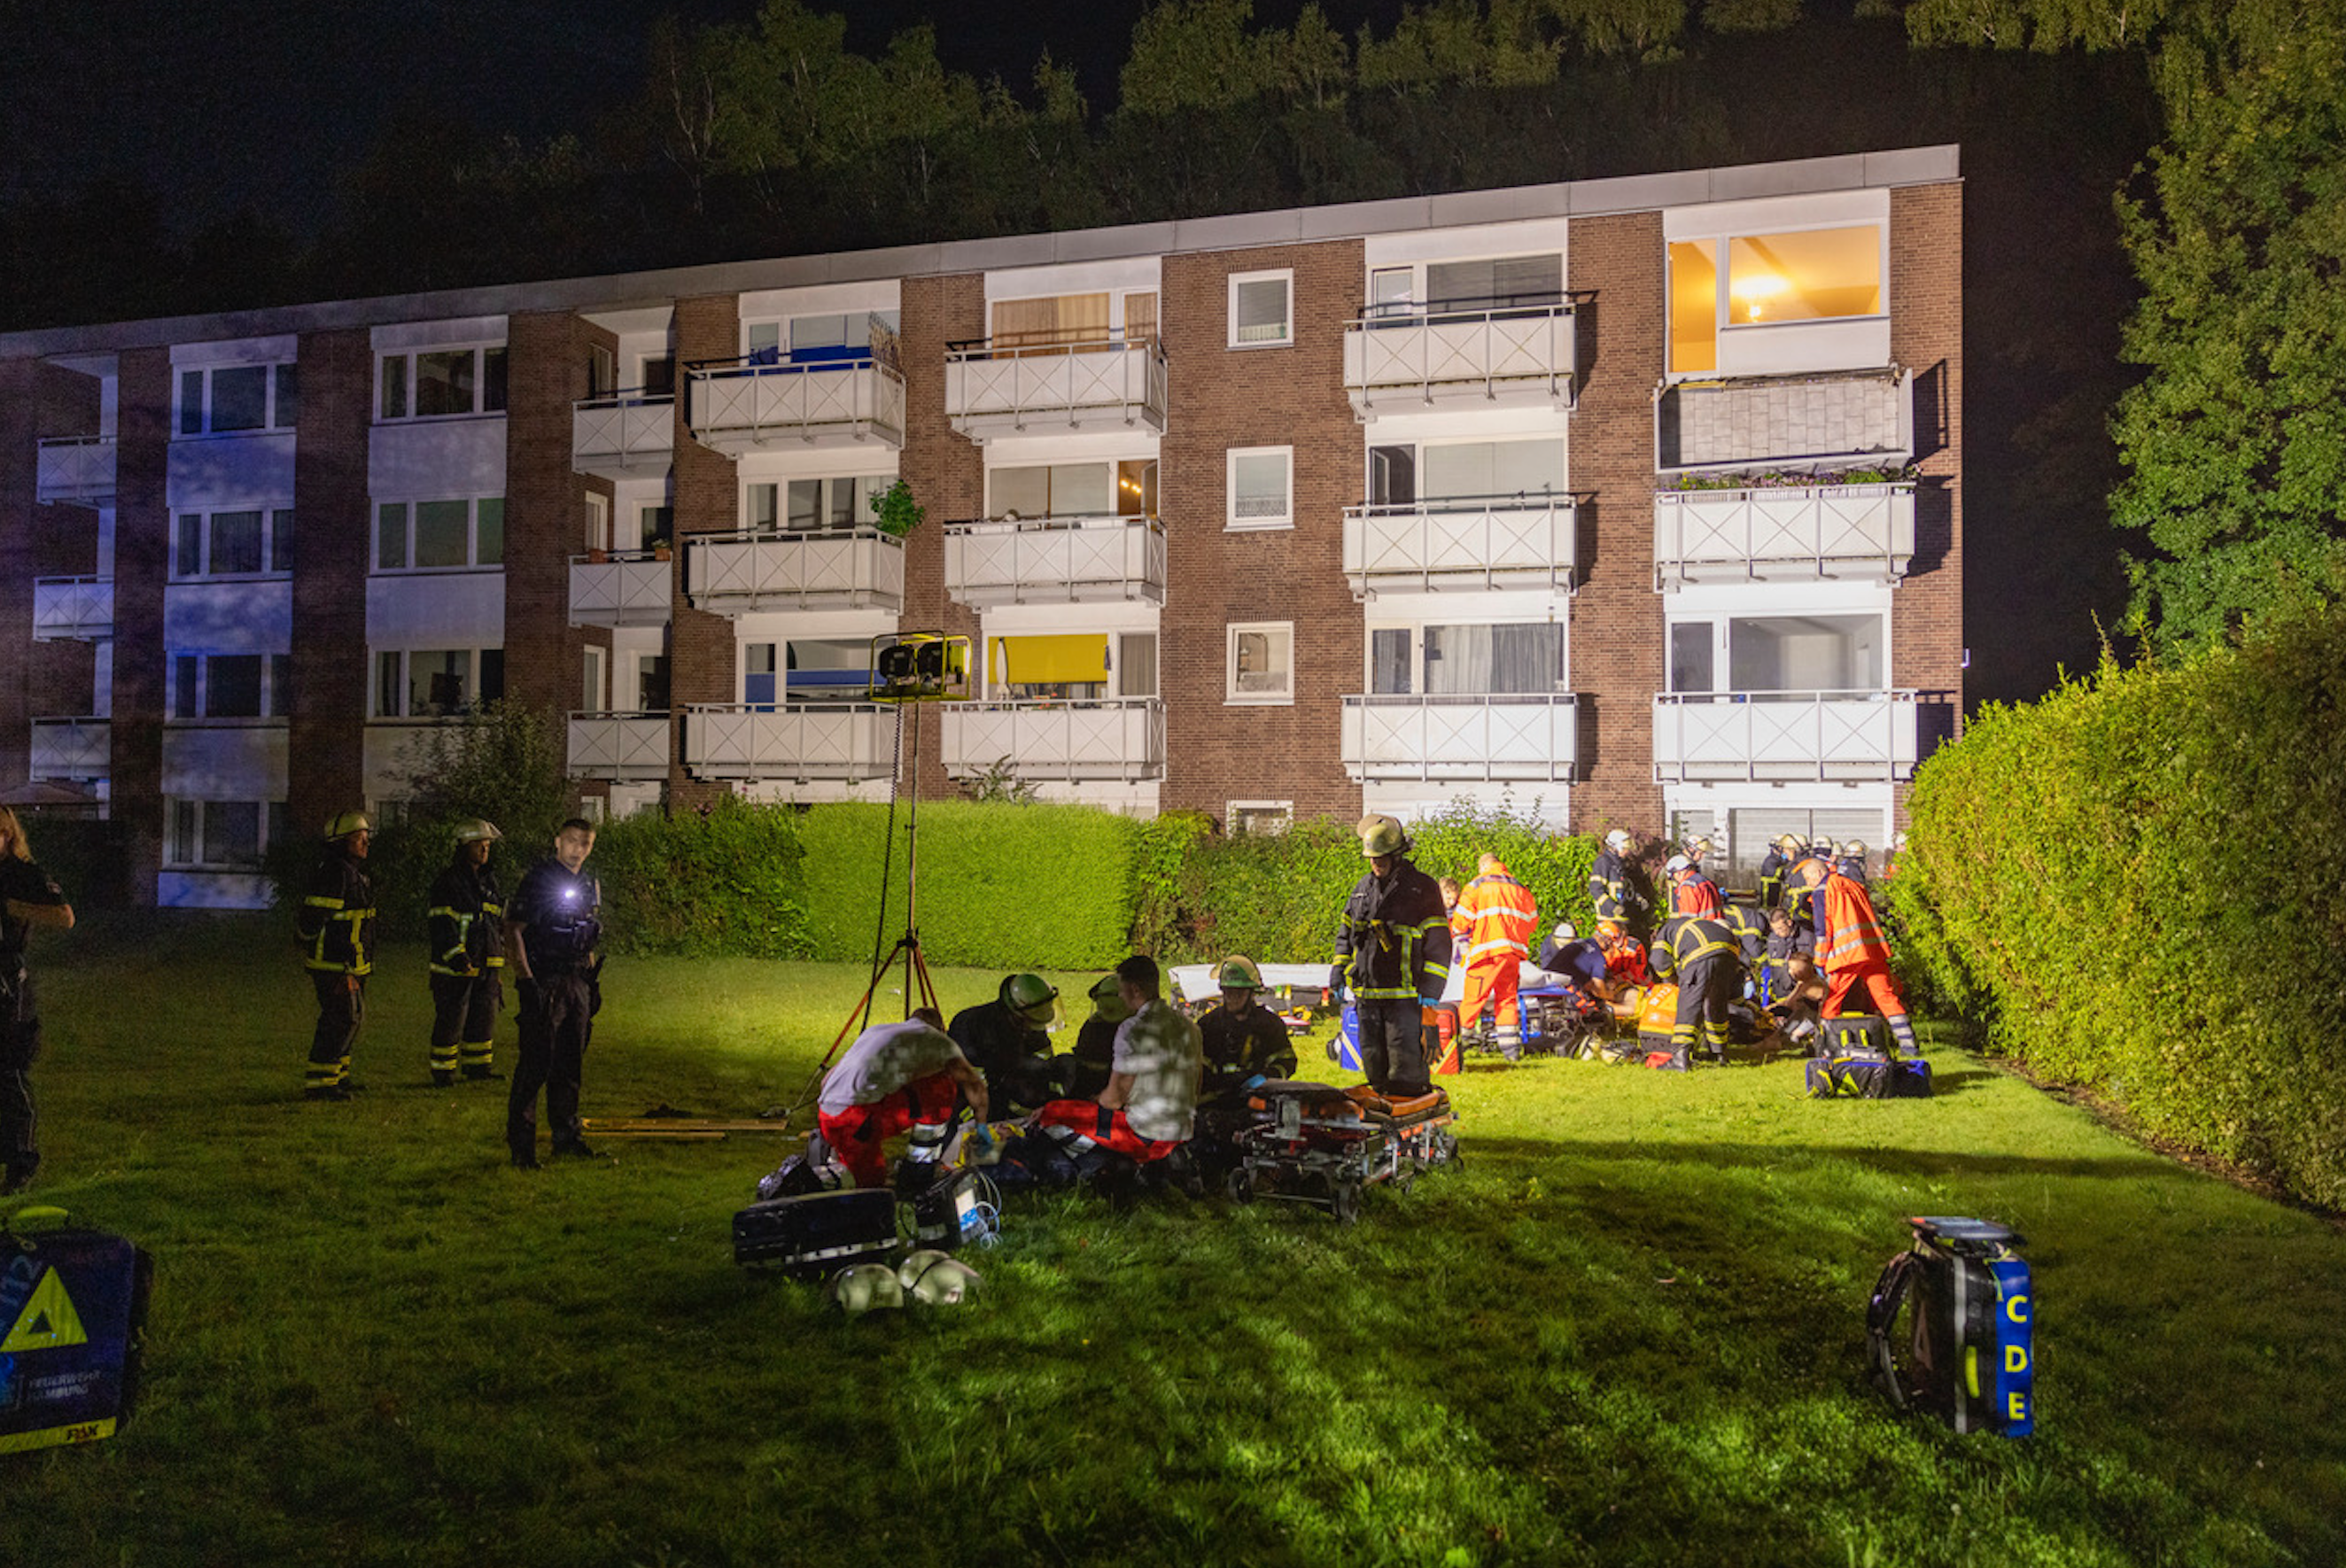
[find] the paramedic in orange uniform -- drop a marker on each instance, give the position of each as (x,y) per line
(1851,951)
(1498,913)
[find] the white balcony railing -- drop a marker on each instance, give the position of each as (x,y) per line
(797,741)
(1531,735)
(1509,541)
(739,406)
(1826,420)
(1055,561)
(838,569)
(618,745)
(72,748)
(1028,389)
(630,588)
(1110,738)
(624,436)
(1784,734)
(1517,356)
(1810,534)
(76,468)
(73,609)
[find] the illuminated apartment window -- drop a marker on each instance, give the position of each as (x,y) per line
(1768,280)
(1127,489)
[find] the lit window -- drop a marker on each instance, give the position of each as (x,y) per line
(1073,490)
(1261,662)
(1769,279)
(1261,310)
(436,683)
(1261,487)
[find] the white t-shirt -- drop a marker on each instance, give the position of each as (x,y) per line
(884,1059)
(1161,1048)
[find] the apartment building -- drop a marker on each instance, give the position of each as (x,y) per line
(1632,502)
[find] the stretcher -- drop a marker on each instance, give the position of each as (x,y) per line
(1324,1147)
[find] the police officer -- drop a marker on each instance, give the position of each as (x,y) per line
(337,928)
(466,937)
(27,899)
(1245,1041)
(1393,952)
(1008,1039)
(552,931)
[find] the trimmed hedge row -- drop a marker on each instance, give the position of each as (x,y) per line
(2114,880)
(730,883)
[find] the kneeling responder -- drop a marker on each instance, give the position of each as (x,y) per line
(1008,1039)
(896,1078)
(1096,1040)
(1393,954)
(466,932)
(337,930)
(1149,1107)
(1245,1043)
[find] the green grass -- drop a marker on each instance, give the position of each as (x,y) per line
(1628,1331)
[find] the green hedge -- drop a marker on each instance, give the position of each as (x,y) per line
(729,884)
(1002,885)
(2117,880)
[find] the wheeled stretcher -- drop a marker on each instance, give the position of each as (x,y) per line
(1325,1146)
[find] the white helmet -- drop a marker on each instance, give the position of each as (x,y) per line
(1617,840)
(1677,863)
(1854,850)
(865,1287)
(1567,932)
(933,1278)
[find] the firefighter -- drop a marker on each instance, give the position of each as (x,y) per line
(1392,952)
(1691,892)
(1245,1041)
(1094,1050)
(466,933)
(1499,913)
(1610,892)
(1751,938)
(552,930)
(1852,952)
(1779,857)
(1849,862)
(337,928)
(1008,1039)
(1625,958)
(1701,957)
(28,898)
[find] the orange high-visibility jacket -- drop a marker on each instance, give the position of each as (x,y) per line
(1852,935)
(1499,913)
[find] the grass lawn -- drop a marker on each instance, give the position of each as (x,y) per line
(1628,1331)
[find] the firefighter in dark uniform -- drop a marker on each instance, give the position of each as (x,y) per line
(1809,868)
(1094,1053)
(1392,953)
(27,899)
(1772,867)
(1008,1039)
(553,926)
(1701,956)
(1848,860)
(337,928)
(466,937)
(1245,1042)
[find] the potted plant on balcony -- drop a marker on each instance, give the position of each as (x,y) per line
(898,513)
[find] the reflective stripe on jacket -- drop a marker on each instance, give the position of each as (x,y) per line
(464,928)
(1684,939)
(1499,913)
(336,921)
(1851,935)
(1394,944)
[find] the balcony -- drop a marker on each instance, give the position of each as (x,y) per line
(1784,736)
(1824,421)
(753,405)
(630,588)
(1025,388)
(1854,533)
(1055,561)
(1119,739)
(72,749)
(840,569)
(619,745)
(78,469)
(73,609)
(1445,737)
(1511,356)
(626,435)
(800,742)
(1511,542)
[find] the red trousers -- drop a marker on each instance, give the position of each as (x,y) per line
(856,1133)
(1875,978)
(1092,1123)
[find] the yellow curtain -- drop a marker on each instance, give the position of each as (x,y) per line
(1054,323)
(1050,660)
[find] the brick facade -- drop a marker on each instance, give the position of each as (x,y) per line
(1926,335)
(548,354)
(39,400)
(142,541)
(946,472)
(702,658)
(332,540)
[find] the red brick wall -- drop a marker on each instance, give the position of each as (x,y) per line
(1218,398)
(142,528)
(38,678)
(1926,305)
(700,645)
(332,540)
(545,508)
(947,472)
(1617,618)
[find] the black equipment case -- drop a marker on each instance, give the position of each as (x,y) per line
(1856,1061)
(1950,1326)
(818,1234)
(72,1312)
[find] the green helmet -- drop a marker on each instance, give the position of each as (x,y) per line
(1033,998)
(342,824)
(474,831)
(1238,973)
(1381,836)
(1108,1001)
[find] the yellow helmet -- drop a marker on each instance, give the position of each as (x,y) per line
(1381,836)
(1238,973)
(342,824)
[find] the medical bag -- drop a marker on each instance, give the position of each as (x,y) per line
(73,1314)
(1966,1348)
(816,1234)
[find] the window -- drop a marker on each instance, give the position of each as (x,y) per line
(222,835)
(226,399)
(1063,321)
(1499,284)
(805,506)
(1735,283)
(436,683)
(757,676)
(440,383)
(591,697)
(230,686)
(814,340)
(1261,662)
(651,683)
(1802,654)
(1260,309)
(1259,487)
(814,670)
(1259,816)
(439,535)
(1127,489)
(658,375)
(654,526)
(602,371)
(244,543)
(1748,833)
(1522,658)
(1477,473)
(598,521)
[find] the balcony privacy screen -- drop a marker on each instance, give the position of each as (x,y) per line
(1071,660)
